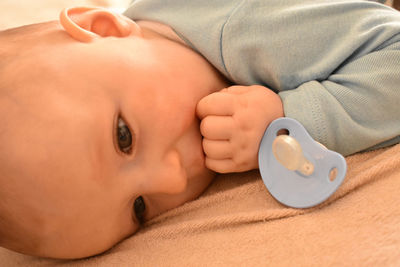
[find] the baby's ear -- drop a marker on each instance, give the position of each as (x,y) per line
(86,23)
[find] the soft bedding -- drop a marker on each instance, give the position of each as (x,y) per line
(236,222)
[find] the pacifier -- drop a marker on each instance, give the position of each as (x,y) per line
(298,171)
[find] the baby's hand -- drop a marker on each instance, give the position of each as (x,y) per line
(233,122)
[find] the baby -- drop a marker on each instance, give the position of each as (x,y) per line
(109,120)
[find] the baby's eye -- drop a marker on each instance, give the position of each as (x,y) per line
(124,136)
(139,207)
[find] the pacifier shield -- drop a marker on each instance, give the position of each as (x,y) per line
(295,188)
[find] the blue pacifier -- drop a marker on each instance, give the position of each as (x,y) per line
(298,171)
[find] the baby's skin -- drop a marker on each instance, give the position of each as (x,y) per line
(104,121)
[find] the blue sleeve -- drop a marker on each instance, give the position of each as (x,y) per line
(356,107)
(335,65)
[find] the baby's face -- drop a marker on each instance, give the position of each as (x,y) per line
(91,127)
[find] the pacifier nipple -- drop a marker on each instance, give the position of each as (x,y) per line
(289,153)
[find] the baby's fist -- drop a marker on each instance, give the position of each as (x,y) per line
(233,122)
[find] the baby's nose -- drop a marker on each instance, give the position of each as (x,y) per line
(169,177)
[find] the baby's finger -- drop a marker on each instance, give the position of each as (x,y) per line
(219,103)
(217,149)
(221,166)
(217,127)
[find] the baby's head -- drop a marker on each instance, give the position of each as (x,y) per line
(98,131)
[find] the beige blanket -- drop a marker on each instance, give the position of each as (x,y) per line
(237,222)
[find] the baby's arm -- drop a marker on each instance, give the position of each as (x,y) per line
(336,66)
(356,107)
(353,106)
(233,123)
(339,79)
